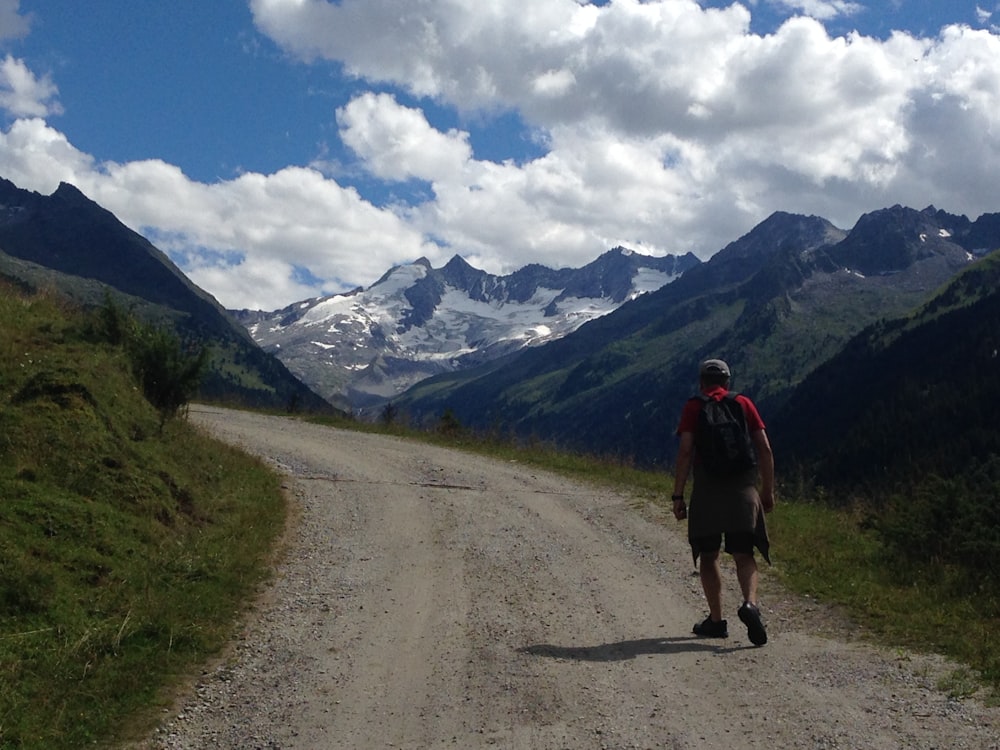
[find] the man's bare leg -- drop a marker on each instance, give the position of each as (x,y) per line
(749,614)
(711,583)
(746,573)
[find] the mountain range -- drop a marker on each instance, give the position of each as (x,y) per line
(368,346)
(776,304)
(871,351)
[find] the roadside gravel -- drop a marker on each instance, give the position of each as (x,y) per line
(433,599)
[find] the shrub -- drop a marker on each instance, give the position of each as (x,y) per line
(168,373)
(954,521)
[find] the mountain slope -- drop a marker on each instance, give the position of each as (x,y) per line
(417,321)
(69,233)
(917,391)
(68,242)
(775,304)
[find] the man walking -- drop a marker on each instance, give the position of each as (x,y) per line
(724,444)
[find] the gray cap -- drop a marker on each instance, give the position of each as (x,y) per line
(714,367)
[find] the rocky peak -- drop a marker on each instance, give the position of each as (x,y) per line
(479,285)
(893,239)
(779,231)
(418,321)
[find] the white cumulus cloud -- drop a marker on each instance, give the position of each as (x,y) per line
(398,143)
(662,125)
(795,120)
(23,94)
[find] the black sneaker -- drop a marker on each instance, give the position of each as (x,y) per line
(711,629)
(749,614)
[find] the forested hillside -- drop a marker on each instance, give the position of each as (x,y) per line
(908,397)
(903,426)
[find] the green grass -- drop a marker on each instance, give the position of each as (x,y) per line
(834,556)
(127,553)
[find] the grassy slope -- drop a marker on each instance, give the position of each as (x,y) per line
(127,553)
(238,372)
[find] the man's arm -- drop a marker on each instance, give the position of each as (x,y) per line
(683,467)
(765,464)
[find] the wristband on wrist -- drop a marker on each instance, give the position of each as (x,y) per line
(675,498)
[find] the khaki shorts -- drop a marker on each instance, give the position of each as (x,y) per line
(736,543)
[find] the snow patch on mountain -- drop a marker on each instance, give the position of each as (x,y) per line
(366,346)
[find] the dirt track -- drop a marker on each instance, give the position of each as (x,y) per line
(432,599)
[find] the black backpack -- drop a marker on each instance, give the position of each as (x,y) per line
(722,438)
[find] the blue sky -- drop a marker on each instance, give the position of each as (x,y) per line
(281,149)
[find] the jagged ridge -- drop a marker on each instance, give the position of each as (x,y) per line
(416,321)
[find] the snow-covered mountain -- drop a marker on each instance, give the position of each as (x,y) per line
(362,348)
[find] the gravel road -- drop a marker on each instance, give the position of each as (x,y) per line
(432,599)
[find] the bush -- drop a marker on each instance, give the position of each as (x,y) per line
(449,424)
(389,415)
(954,521)
(168,374)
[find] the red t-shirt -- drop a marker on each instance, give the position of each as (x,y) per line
(689,415)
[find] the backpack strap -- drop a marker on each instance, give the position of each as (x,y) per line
(730,396)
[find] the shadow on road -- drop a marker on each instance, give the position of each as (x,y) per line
(623,650)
